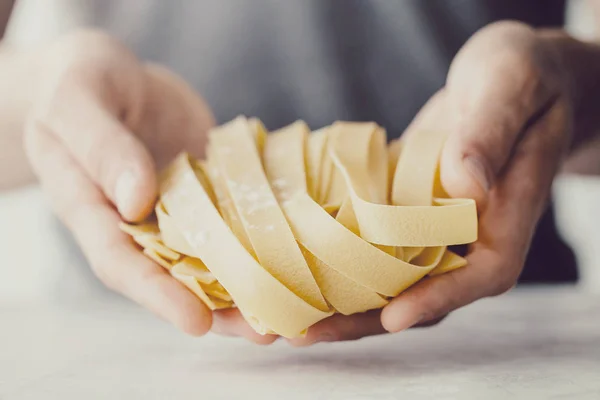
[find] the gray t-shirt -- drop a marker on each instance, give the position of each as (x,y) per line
(324,60)
(318,60)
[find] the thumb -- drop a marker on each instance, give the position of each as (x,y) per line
(495,90)
(476,151)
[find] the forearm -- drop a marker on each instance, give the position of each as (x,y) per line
(18,84)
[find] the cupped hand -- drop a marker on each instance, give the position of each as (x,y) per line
(507,108)
(102,123)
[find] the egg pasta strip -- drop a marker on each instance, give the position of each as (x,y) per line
(291,227)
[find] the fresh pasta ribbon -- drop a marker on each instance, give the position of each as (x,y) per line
(292,226)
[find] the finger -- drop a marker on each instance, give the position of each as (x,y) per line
(174,118)
(506,228)
(434,297)
(230,322)
(431,322)
(87,118)
(495,88)
(112,255)
(342,328)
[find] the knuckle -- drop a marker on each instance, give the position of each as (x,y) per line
(523,70)
(510,36)
(509,52)
(513,27)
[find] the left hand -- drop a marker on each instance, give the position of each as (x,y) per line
(100,124)
(507,105)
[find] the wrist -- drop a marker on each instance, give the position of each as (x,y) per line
(580,71)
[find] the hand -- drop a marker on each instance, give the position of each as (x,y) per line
(507,105)
(102,124)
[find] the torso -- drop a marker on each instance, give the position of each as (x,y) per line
(323,61)
(312,59)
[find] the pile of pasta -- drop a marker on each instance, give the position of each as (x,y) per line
(293,226)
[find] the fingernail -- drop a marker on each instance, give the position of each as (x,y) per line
(124,191)
(482,175)
(412,323)
(401,321)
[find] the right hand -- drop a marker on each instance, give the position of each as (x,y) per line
(101,124)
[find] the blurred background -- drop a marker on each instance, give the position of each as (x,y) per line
(30,246)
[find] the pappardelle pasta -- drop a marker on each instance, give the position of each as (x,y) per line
(292,226)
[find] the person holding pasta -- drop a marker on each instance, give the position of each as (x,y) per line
(101,109)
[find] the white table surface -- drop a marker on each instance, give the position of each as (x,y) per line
(529,344)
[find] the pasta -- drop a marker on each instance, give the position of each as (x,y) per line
(291,227)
